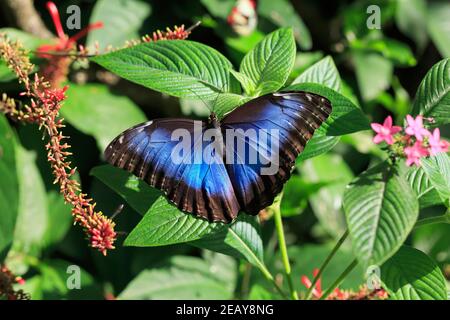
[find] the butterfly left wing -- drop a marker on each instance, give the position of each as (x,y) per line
(288,121)
(202,188)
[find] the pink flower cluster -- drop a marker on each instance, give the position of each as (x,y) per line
(412,142)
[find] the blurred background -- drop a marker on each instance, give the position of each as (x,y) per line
(380,69)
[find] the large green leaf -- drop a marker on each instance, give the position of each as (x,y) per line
(421,184)
(433,95)
(268,65)
(327,202)
(345,117)
(184,278)
(242,240)
(164,224)
(437,169)
(128,16)
(411,275)
(9,186)
(51,283)
(381,209)
(320,143)
(59,219)
(283,14)
(96,111)
(227,102)
(322,72)
(32,219)
(438,27)
(180,68)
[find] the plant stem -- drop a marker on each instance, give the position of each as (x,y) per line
(325,264)
(270,277)
(445,218)
(283,248)
(339,279)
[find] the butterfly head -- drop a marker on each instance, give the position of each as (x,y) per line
(213,121)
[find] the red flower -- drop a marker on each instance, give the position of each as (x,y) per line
(65,42)
(317,291)
(385,131)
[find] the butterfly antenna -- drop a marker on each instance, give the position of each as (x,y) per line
(118,210)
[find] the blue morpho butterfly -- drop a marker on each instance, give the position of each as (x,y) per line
(235,180)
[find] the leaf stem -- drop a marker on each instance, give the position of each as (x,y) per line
(270,277)
(339,279)
(282,245)
(325,264)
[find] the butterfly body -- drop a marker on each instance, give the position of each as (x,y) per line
(215,169)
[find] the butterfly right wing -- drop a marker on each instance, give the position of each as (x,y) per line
(146,150)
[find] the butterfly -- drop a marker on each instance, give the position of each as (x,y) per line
(241,168)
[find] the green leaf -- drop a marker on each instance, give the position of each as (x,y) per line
(373,72)
(411,19)
(296,193)
(381,209)
(54,278)
(411,275)
(320,143)
(433,95)
(108,114)
(433,239)
(32,219)
(422,186)
(345,117)
(246,83)
(9,185)
(283,14)
(258,292)
(183,278)
(269,64)
(180,68)
(242,239)
(126,16)
(138,194)
(323,72)
(227,102)
(437,168)
(59,219)
(164,224)
(327,201)
(438,27)
(397,52)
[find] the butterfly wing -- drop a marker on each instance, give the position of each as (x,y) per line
(199,187)
(289,120)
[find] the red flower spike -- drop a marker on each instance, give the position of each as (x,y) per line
(65,43)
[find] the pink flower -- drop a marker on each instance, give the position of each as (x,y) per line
(414,153)
(436,144)
(385,131)
(415,127)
